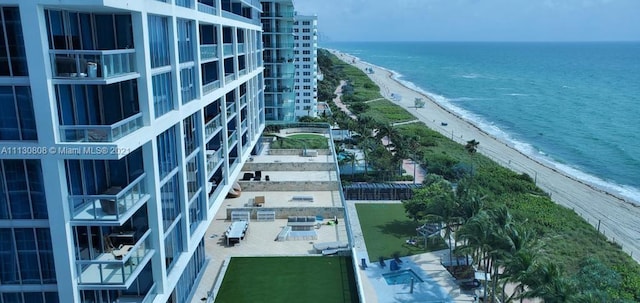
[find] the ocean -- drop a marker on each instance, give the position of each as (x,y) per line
(576,105)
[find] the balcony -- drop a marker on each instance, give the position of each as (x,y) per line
(111,205)
(242,72)
(213,159)
(117,267)
(229,77)
(227,49)
(231,110)
(101,133)
(233,139)
(210,87)
(148,298)
(208,52)
(207,9)
(93,65)
(243,100)
(243,126)
(240,48)
(211,127)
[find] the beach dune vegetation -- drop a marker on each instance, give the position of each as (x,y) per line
(564,244)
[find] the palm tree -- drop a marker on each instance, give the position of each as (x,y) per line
(442,208)
(518,269)
(387,130)
(476,236)
(472,146)
(548,284)
(349,157)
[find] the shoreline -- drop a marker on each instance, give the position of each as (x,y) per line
(615,215)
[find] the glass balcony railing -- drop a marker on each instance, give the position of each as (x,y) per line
(213,158)
(207,9)
(229,77)
(233,138)
(208,51)
(243,100)
(242,72)
(211,86)
(92,64)
(227,49)
(117,266)
(101,133)
(111,205)
(240,48)
(231,109)
(212,126)
(278,14)
(243,125)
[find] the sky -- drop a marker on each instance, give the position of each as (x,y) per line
(474,20)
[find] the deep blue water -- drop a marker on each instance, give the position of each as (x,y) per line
(576,104)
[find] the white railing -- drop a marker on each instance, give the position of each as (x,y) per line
(92,64)
(101,133)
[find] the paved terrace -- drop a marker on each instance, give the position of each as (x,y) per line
(290,175)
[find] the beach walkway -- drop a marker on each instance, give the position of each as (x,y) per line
(616,216)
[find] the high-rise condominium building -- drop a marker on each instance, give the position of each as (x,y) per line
(277,25)
(122,123)
(306,65)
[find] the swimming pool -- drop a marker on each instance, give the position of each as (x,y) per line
(401,277)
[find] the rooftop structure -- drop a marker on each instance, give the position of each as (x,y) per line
(305,31)
(123,126)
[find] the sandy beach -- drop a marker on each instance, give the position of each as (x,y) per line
(618,219)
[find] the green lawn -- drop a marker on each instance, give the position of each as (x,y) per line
(386,228)
(288,279)
(387,112)
(301,141)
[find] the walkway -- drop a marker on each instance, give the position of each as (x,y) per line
(338,101)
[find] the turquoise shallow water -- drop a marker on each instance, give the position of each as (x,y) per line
(575,104)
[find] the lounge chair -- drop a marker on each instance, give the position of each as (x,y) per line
(247,176)
(396,257)
(381,262)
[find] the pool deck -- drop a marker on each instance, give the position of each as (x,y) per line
(426,265)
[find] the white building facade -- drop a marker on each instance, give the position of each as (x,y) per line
(122,126)
(306,65)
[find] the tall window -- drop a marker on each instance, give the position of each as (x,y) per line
(17,121)
(185,40)
(167,152)
(162,94)
(26,256)
(187,84)
(13,61)
(170,200)
(159,41)
(21,190)
(190,125)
